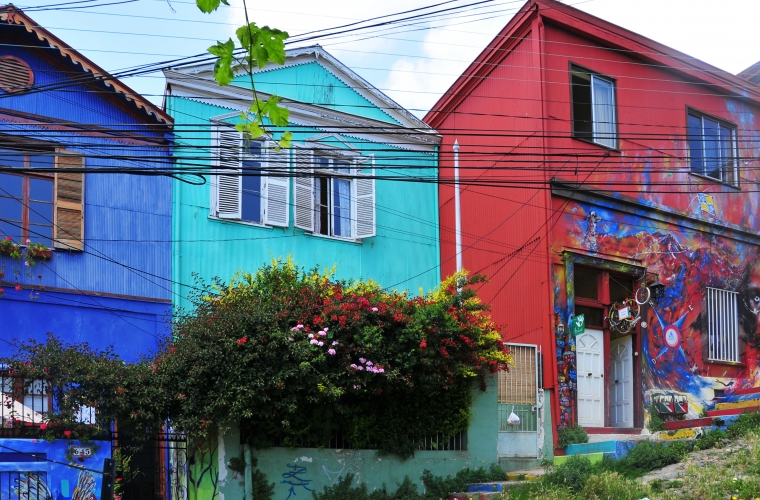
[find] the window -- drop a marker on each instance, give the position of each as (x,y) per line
(42,207)
(251,181)
(723,325)
(332,197)
(593,108)
(334,194)
(712,148)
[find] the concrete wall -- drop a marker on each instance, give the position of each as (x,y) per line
(304,469)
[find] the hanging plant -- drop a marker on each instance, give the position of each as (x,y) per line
(25,257)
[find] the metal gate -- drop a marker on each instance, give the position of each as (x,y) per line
(520,393)
(152,469)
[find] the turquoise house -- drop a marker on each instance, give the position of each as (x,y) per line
(346,195)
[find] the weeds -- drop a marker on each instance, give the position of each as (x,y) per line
(572,434)
(571,474)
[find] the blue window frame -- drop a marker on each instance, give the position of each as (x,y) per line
(712,148)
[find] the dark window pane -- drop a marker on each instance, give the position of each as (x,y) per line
(10,209)
(41,189)
(586,284)
(727,155)
(592,317)
(582,117)
(322,200)
(696,152)
(11,158)
(40,213)
(251,200)
(42,161)
(41,234)
(321,162)
(712,148)
(253,148)
(342,167)
(10,185)
(620,288)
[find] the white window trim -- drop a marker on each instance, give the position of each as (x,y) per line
(734,148)
(722,312)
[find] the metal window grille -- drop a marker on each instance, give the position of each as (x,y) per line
(518,389)
(24,484)
(338,440)
(723,325)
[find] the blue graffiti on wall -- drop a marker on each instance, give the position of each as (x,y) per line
(292,478)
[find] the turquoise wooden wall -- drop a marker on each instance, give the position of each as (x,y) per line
(404,254)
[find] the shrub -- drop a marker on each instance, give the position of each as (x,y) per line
(609,485)
(710,439)
(744,424)
(572,434)
(343,490)
(646,456)
(440,487)
(656,423)
(571,474)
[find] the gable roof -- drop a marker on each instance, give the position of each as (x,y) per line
(591,27)
(15,16)
(751,74)
(316,53)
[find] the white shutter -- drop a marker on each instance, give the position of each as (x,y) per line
(277,192)
(365,200)
(303,199)
(227,184)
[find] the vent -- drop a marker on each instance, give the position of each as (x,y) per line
(15,75)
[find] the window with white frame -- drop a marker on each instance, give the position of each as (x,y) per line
(251,181)
(334,194)
(722,325)
(712,150)
(594,113)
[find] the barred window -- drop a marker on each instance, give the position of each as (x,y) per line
(723,325)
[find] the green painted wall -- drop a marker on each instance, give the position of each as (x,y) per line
(404,254)
(314,84)
(316,468)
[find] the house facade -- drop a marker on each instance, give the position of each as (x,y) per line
(86,250)
(345,197)
(610,162)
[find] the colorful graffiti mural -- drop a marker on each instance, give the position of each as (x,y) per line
(688,258)
(31,469)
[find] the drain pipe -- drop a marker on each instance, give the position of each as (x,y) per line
(457,209)
(248,472)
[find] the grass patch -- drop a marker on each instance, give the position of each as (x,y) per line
(572,434)
(440,487)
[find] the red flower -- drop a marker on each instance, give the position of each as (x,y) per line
(423,344)
(242,341)
(8,238)
(67,433)
(43,426)
(18,288)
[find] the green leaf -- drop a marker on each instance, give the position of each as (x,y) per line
(286,139)
(208,6)
(223,73)
(278,115)
(263,45)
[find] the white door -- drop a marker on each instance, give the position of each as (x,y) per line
(621,382)
(589,348)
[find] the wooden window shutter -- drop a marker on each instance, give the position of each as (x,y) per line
(365,198)
(304,189)
(69,202)
(519,385)
(227,183)
(277,191)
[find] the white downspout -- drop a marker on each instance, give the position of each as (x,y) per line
(457,209)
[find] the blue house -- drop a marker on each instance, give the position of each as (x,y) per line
(85,250)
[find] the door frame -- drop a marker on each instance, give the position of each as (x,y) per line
(605,267)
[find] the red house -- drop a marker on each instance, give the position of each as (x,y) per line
(593,164)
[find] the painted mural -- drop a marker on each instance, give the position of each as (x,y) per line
(32,469)
(674,329)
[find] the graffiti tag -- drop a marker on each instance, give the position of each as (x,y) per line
(293,479)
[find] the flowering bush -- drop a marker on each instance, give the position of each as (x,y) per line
(294,356)
(25,260)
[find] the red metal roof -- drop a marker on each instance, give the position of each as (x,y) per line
(14,15)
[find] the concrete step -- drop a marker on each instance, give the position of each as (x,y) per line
(615,449)
(594,458)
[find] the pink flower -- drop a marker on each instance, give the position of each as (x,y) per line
(369,363)
(331,352)
(362,360)
(43,426)
(360,367)
(374,309)
(28,240)
(354,366)
(311,335)
(322,333)
(18,288)
(335,342)
(357,387)
(299,326)
(381,370)
(290,339)
(26,263)
(320,344)
(313,341)
(326,329)
(67,433)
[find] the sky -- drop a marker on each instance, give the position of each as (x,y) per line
(412,64)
